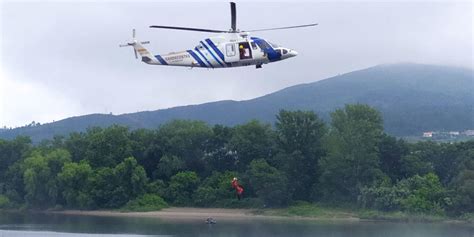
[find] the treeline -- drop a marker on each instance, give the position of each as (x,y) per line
(350,161)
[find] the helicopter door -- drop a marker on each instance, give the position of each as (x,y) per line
(231,54)
(244,50)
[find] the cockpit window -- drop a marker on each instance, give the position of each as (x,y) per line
(263,44)
(285,51)
(274,45)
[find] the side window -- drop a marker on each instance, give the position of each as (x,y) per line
(254,46)
(230,50)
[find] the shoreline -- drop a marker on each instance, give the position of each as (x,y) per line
(191,213)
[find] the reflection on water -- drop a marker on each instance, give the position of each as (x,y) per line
(21,233)
(35,225)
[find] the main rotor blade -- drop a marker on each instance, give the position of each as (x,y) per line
(190,29)
(135,51)
(233,14)
(283,28)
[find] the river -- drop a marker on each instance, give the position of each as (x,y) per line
(39,225)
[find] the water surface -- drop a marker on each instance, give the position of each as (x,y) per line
(39,225)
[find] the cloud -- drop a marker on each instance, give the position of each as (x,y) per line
(20,100)
(67,54)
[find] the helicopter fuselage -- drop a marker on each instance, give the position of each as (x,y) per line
(222,52)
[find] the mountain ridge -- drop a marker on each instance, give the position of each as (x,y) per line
(412,98)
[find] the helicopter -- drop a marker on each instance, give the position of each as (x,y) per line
(232,48)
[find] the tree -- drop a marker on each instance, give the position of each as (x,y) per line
(75,181)
(352,161)
(131,178)
(270,184)
(182,187)
(391,152)
(251,141)
(299,137)
(417,194)
(77,143)
(215,189)
(185,139)
(104,189)
(40,177)
(425,194)
(12,151)
(169,166)
(146,149)
(112,188)
(108,147)
(415,164)
(219,156)
(463,184)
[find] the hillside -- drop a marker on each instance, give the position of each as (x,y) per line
(412,98)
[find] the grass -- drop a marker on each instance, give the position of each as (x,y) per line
(320,211)
(303,209)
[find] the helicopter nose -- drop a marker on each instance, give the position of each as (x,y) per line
(293,53)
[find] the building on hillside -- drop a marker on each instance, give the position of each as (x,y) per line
(469,132)
(427,134)
(454,133)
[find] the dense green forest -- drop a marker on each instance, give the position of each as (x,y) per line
(350,161)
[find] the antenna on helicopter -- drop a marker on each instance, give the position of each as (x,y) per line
(133,43)
(233,25)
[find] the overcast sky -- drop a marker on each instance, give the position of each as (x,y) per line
(61,59)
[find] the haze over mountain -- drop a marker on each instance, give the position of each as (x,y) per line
(412,98)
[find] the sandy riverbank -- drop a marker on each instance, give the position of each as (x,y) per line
(184,213)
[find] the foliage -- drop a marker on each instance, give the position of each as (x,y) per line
(417,194)
(350,163)
(463,186)
(219,155)
(185,139)
(270,184)
(168,166)
(75,182)
(391,152)
(250,141)
(4,202)
(299,136)
(39,176)
(215,188)
(182,187)
(352,160)
(112,188)
(146,202)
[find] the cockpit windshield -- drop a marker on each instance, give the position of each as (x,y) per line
(263,44)
(274,45)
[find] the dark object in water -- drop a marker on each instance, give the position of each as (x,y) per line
(210,220)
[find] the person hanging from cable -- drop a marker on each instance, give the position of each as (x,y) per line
(239,190)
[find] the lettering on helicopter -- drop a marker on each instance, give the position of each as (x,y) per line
(176,58)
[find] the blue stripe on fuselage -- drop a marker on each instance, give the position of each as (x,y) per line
(202,55)
(214,56)
(214,47)
(197,58)
(161,60)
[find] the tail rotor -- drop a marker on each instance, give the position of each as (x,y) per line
(133,43)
